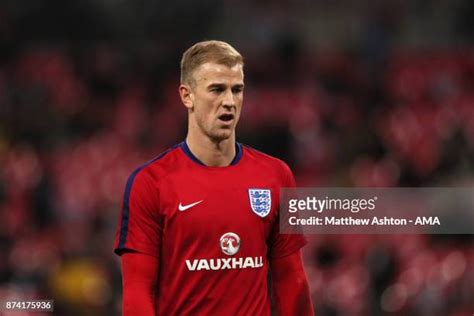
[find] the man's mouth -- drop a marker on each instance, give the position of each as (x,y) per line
(226,117)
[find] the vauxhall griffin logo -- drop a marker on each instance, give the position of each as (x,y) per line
(230,243)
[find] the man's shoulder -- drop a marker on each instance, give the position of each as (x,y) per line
(261,158)
(160,165)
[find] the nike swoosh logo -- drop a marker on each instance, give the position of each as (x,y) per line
(185,207)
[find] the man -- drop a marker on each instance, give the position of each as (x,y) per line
(199,228)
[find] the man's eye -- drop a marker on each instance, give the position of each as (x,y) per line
(216,89)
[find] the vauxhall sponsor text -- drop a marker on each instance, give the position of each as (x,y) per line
(225,263)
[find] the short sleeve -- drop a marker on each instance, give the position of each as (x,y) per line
(139,227)
(282,245)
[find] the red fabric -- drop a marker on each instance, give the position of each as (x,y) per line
(198,273)
(139,280)
(290,286)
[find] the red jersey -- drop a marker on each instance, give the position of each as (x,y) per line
(214,229)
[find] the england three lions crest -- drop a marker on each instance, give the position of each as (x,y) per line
(260,201)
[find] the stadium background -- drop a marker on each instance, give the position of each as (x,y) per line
(349,93)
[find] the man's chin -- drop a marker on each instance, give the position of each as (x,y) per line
(221,136)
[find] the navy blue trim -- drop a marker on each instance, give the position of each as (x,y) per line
(126,208)
(126,199)
(238,154)
(187,151)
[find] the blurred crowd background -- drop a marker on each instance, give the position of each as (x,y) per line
(349,93)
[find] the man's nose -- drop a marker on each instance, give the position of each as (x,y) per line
(229,99)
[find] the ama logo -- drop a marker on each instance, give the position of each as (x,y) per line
(230,243)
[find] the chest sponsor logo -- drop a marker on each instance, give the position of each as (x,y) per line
(225,263)
(260,201)
(230,243)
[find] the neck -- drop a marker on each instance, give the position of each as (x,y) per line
(212,153)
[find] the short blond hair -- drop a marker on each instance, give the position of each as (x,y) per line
(207,51)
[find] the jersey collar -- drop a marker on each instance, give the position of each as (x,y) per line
(187,151)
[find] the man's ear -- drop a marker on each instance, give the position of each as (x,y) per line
(185,93)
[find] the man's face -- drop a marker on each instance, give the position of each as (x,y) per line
(215,99)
